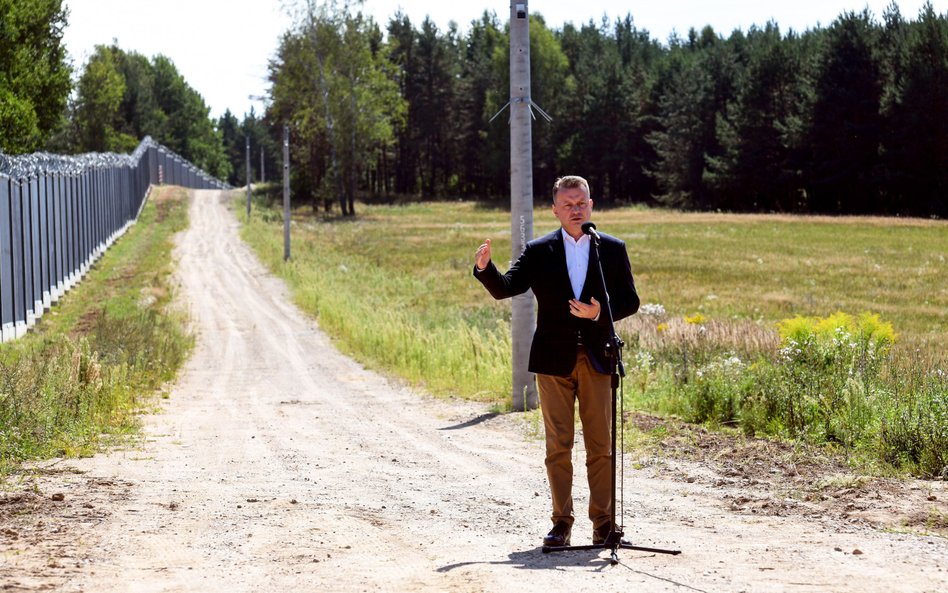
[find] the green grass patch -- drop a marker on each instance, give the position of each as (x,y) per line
(89,366)
(394,287)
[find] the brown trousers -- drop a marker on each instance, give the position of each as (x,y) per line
(558,397)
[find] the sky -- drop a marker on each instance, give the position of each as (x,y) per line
(222,47)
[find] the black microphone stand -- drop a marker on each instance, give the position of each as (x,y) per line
(614,346)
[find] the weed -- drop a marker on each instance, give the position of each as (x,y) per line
(80,377)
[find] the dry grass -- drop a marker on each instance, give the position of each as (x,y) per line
(661,333)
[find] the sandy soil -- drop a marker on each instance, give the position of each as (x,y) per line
(278,464)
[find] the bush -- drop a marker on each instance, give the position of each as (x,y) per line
(914,427)
(830,380)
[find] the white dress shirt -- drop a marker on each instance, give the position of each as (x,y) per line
(577,261)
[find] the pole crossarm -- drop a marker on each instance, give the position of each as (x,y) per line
(530,105)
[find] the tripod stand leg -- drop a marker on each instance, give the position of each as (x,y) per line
(628,546)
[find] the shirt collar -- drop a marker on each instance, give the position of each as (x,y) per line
(575,242)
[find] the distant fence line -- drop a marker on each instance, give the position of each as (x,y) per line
(58,215)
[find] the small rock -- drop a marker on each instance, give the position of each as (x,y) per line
(932,498)
(293,501)
(837,549)
(857,552)
(58,497)
(691,479)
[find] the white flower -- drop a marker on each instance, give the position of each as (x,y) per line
(643,359)
(652,310)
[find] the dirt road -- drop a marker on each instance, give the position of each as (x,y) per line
(278,464)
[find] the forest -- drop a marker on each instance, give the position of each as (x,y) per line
(850,118)
(108,105)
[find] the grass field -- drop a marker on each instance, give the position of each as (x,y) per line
(725,266)
(394,286)
(94,360)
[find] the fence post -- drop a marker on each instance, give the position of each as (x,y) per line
(87,230)
(33,273)
(73,230)
(44,254)
(6,263)
(59,201)
(19,278)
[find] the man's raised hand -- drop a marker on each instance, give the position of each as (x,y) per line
(482,255)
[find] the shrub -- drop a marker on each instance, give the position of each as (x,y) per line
(826,380)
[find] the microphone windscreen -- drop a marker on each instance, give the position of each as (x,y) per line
(588,226)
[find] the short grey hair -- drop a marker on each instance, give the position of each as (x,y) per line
(569,182)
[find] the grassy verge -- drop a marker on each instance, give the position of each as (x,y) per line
(93,361)
(394,287)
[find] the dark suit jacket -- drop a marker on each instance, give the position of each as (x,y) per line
(542,267)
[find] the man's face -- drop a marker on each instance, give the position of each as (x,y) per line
(572,207)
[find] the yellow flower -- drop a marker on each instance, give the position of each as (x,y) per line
(661,327)
(696,319)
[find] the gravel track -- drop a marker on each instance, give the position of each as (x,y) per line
(277,464)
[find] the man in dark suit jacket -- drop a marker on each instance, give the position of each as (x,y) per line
(569,352)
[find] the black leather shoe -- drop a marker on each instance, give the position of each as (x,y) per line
(559,535)
(601,534)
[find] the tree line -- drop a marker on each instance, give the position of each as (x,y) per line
(120,97)
(850,118)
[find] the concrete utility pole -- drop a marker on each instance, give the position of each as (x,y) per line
(249,176)
(523,323)
(286,193)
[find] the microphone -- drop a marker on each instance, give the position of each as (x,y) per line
(589,228)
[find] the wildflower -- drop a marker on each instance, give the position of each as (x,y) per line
(652,310)
(661,327)
(696,319)
(643,359)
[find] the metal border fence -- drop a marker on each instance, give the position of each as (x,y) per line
(58,215)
